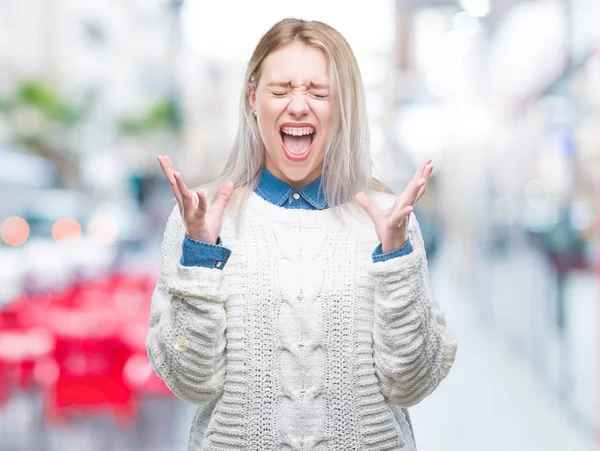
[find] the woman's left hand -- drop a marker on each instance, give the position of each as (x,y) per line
(391,225)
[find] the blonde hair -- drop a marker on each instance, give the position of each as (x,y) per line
(347,160)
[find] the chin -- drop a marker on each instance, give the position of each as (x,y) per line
(295,172)
(298,174)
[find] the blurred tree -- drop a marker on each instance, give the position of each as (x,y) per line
(47,100)
(160,127)
(163,116)
(40,120)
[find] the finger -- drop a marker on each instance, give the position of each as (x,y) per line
(167,165)
(423,190)
(172,182)
(409,196)
(202,203)
(414,190)
(223,199)
(368,206)
(163,165)
(186,194)
(411,193)
(419,173)
(424,166)
(421,193)
(169,162)
(397,217)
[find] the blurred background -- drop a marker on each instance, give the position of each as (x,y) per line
(503,95)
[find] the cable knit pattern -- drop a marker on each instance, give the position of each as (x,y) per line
(300,326)
(319,341)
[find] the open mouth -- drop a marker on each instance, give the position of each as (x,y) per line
(297,141)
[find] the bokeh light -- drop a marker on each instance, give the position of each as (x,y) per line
(103,230)
(66,230)
(14,231)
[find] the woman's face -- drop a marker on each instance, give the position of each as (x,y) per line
(294,112)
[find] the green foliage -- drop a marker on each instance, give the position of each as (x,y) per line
(163,116)
(44,98)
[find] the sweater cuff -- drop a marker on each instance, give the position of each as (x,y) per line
(196,285)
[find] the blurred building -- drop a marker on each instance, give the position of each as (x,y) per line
(504,95)
(115,60)
(211,95)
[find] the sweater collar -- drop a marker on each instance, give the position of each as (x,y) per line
(277,191)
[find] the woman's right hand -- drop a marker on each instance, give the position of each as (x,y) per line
(202,222)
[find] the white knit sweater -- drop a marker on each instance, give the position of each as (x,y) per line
(301,342)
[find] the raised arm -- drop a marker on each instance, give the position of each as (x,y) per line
(186,341)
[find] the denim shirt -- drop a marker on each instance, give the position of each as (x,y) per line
(277,192)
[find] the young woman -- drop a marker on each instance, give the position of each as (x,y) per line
(294,319)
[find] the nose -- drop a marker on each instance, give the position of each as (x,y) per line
(298,105)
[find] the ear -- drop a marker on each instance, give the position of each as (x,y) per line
(252,97)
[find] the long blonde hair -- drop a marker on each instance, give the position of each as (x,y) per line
(347,160)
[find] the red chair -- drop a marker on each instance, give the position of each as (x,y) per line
(97,359)
(91,361)
(20,352)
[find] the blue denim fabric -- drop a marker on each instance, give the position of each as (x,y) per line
(379,256)
(197,253)
(277,192)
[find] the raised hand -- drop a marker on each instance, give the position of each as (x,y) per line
(391,225)
(202,222)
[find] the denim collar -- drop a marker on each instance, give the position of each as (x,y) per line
(278,192)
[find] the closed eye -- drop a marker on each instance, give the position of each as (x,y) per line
(319,96)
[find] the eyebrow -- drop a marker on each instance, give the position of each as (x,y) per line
(283,84)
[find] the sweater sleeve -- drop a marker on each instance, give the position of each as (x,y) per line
(413,349)
(186,339)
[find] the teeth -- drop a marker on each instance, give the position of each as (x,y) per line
(298,131)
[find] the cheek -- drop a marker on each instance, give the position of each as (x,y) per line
(271,106)
(324,113)
(266,125)
(268,114)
